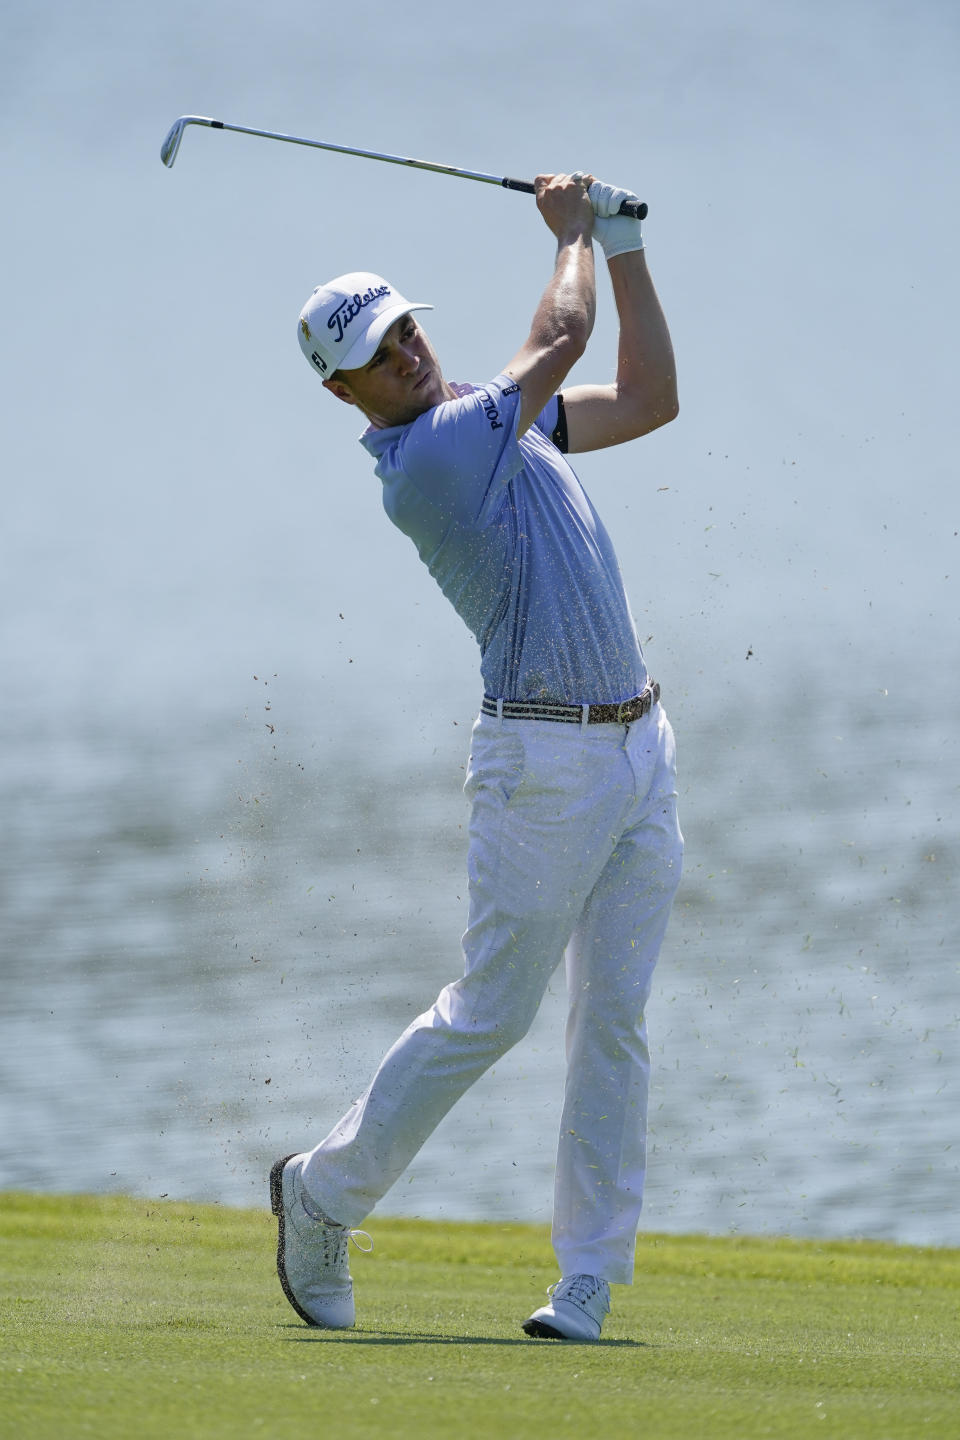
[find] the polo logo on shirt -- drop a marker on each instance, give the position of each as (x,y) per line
(490,410)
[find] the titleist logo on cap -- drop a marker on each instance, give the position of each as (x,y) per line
(350,308)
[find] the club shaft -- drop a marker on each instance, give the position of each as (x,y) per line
(172,143)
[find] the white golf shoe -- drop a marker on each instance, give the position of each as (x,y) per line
(577,1308)
(312,1257)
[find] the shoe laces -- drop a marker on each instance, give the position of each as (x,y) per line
(336,1239)
(579,1289)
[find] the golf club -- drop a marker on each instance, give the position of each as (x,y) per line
(170,146)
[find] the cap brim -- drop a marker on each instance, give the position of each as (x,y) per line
(365,348)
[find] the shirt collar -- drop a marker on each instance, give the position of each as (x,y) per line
(376,442)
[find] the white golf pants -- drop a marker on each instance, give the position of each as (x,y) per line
(574,848)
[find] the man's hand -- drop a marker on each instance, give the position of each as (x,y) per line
(564,204)
(616,233)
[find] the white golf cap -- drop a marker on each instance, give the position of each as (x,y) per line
(344,321)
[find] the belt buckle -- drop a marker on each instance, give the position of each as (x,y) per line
(623,709)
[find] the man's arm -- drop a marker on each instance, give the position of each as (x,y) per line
(564,318)
(644,394)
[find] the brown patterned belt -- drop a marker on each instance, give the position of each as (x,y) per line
(621,713)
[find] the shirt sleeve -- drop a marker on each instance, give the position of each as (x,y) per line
(552,422)
(461,455)
(547,419)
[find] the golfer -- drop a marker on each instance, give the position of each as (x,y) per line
(574,845)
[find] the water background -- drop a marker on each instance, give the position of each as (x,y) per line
(236,712)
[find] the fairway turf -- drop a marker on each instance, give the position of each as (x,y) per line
(132,1318)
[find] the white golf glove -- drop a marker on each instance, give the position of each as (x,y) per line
(615,233)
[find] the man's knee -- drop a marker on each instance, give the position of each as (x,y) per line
(492,1014)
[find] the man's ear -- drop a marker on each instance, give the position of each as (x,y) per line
(337,387)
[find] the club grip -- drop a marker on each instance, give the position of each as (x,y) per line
(636,209)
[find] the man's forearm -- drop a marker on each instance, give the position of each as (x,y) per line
(563,320)
(644,394)
(646,369)
(568,306)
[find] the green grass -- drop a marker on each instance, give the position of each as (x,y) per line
(129,1318)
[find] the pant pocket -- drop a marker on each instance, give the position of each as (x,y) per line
(496,763)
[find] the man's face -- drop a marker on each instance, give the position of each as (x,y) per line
(400,381)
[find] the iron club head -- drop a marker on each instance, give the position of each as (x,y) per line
(170,146)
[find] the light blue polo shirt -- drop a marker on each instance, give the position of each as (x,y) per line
(508,533)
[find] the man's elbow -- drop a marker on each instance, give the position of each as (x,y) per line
(668,410)
(651,412)
(563,354)
(572,344)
